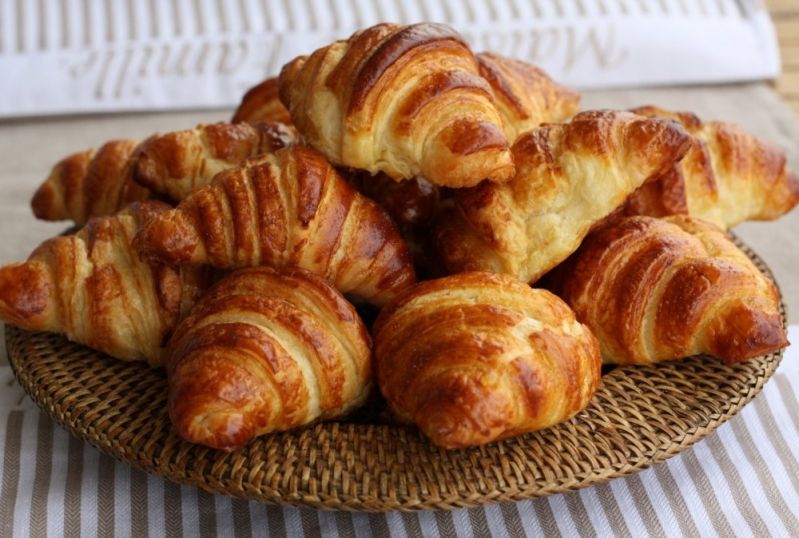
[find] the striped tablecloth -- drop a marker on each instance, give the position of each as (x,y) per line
(743,480)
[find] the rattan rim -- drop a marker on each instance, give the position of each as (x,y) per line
(640,416)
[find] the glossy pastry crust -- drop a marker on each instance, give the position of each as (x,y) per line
(654,290)
(177,163)
(92,287)
(404,100)
(525,95)
(287,208)
(262,103)
(91,183)
(266,351)
(476,357)
(727,177)
(569,177)
(168,166)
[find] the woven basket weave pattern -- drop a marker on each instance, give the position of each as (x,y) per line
(639,416)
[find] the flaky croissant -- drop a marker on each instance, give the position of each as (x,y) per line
(476,357)
(525,95)
(569,176)
(91,183)
(655,290)
(100,183)
(727,177)
(262,103)
(265,351)
(174,164)
(287,208)
(404,100)
(93,287)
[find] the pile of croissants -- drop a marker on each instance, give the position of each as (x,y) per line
(401,170)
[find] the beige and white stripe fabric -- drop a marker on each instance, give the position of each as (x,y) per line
(111,55)
(743,480)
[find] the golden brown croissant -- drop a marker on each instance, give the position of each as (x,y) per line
(262,103)
(477,357)
(525,95)
(727,177)
(569,176)
(92,287)
(655,290)
(91,183)
(174,164)
(265,351)
(286,208)
(404,100)
(99,183)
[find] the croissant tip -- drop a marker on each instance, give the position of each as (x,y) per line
(746,333)
(45,203)
(220,429)
(165,240)
(24,294)
(445,429)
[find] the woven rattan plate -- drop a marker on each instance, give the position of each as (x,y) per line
(640,416)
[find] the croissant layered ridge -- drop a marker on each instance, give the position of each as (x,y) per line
(654,290)
(476,357)
(92,287)
(407,100)
(569,177)
(525,95)
(175,164)
(287,208)
(728,176)
(90,183)
(262,103)
(97,183)
(266,351)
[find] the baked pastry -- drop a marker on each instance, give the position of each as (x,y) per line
(265,351)
(174,164)
(92,287)
(569,176)
(476,357)
(262,103)
(411,203)
(655,290)
(727,177)
(404,100)
(99,183)
(525,95)
(91,183)
(287,208)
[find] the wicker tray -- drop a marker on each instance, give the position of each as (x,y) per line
(640,416)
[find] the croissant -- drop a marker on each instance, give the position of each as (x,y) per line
(100,183)
(655,290)
(174,164)
(476,357)
(525,95)
(91,183)
(404,100)
(569,176)
(262,103)
(286,208)
(92,287)
(265,351)
(727,177)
